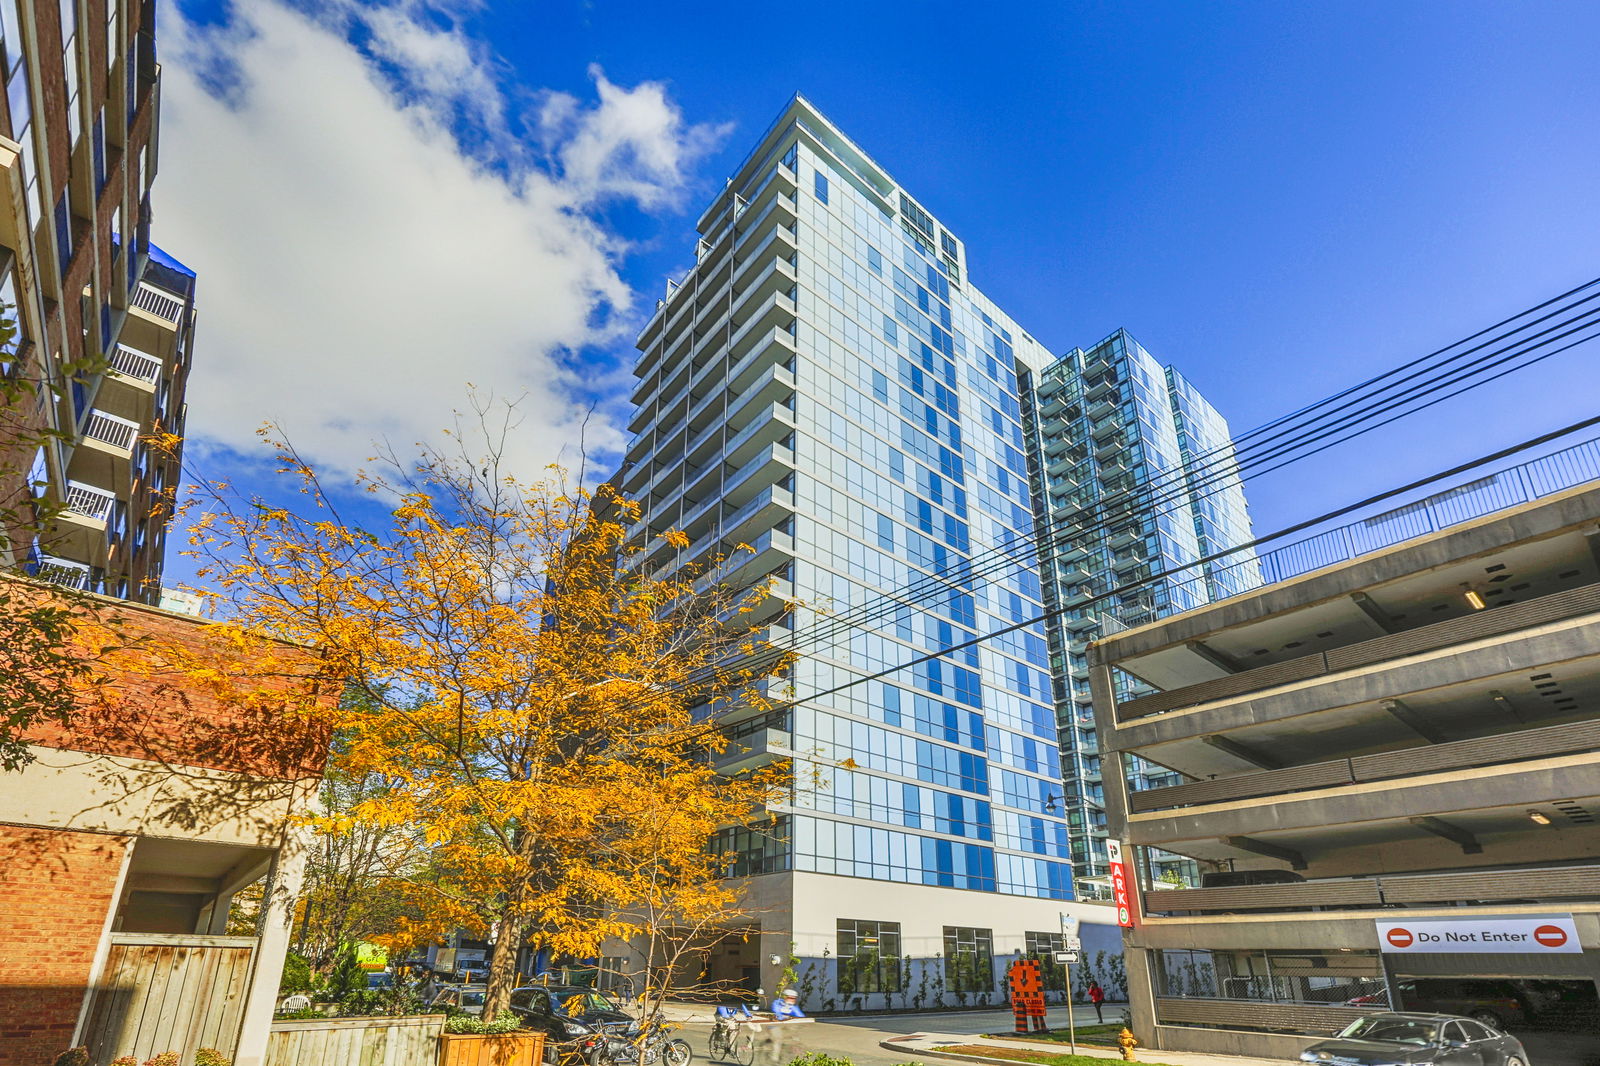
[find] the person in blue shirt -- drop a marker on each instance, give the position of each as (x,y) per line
(785,1008)
(788,1005)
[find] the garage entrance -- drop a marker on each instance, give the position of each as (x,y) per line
(1557,1019)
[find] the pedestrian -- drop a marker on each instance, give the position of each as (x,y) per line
(1097,996)
(785,1008)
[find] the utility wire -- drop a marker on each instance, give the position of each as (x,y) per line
(1074,523)
(1232,467)
(1247,546)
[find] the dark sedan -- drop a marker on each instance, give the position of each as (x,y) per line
(1394,1039)
(565,1012)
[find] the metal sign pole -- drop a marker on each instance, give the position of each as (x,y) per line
(1072,1023)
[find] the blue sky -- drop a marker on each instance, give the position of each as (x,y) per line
(1278,198)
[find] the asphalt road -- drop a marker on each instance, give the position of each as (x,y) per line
(858,1038)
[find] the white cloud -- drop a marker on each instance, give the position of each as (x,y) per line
(358,266)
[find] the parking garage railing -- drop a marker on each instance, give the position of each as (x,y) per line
(1511,487)
(1408,762)
(1508,619)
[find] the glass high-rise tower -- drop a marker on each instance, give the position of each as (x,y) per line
(827,387)
(1135,478)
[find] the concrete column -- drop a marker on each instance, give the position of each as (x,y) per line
(277,918)
(1141,990)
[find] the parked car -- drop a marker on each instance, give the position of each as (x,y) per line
(472,971)
(1494,1003)
(465,998)
(564,1012)
(1406,1039)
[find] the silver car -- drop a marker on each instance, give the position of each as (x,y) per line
(1404,1039)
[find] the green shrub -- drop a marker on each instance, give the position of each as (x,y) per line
(820,1058)
(210,1056)
(348,977)
(469,1025)
(296,975)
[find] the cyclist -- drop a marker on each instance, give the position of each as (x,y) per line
(785,1008)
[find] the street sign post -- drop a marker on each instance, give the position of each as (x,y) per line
(1067,958)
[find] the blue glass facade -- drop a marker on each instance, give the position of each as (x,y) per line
(1135,474)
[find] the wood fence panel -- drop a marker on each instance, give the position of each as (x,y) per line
(165,992)
(412,1041)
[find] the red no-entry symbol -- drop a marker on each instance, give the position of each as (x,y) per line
(1551,936)
(1402,938)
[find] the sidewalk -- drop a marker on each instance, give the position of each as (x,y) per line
(921,1044)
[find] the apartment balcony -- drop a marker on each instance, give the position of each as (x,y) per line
(771,206)
(158,304)
(776,314)
(1062,467)
(63,572)
(704,409)
(773,424)
(104,452)
(776,278)
(775,384)
(128,389)
(777,346)
(1053,406)
(1123,536)
(769,466)
(768,508)
(1101,414)
(1104,388)
(753,751)
(1110,448)
(779,242)
(80,530)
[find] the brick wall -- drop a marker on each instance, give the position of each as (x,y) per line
(56,887)
(251,713)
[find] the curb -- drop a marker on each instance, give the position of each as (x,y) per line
(983,1060)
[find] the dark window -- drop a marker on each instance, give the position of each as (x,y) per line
(869,957)
(968,959)
(821,186)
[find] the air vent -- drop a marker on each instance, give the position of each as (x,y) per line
(1575,813)
(1492,569)
(1568,573)
(1520,587)
(1539,677)
(1326,633)
(1440,607)
(1500,577)
(1548,684)
(1293,644)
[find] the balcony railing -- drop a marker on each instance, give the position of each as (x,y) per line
(109,429)
(63,572)
(158,303)
(89,501)
(1511,487)
(135,364)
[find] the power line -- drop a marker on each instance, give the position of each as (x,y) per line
(1126,504)
(1247,546)
(1232,467)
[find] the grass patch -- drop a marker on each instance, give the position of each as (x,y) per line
(1039,1058)
(1105,1033)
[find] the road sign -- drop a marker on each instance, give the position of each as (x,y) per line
(1535,934)
(1069,924)
(1066,957)
(1071,943)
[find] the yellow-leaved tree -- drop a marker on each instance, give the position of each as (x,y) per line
(534,701)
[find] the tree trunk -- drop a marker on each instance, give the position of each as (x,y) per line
(503,966)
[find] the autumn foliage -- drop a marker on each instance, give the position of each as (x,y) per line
(533,703)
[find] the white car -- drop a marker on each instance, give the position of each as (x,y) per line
(466,998)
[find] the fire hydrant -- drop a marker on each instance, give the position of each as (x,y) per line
(1127,1041)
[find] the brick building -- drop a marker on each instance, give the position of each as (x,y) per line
(103,319)
(125,840)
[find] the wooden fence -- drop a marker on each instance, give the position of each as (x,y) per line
(169,992)
(412,1041)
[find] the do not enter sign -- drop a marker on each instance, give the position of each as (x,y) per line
(1538,934)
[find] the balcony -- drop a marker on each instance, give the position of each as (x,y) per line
(1102,389)
(761,748)
(776,347)
(158,304)
(104,452)
(772,464)
(63,572)
(767,427)
(776,384)
(777,278)
(779,242)
(759,515)
(775,315)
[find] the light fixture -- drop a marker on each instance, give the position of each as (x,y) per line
(1473,599)
(1539,817)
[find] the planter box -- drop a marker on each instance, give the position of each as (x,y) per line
(498,1049)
